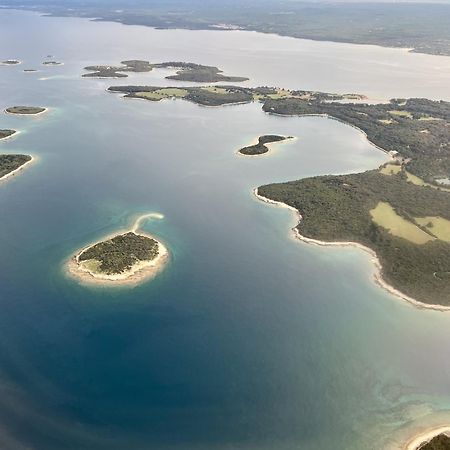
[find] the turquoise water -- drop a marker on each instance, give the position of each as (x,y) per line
(248,339)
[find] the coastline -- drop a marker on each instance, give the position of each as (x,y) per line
(268,145)
(138,273)
(423,438)
(14,172)
(378,277)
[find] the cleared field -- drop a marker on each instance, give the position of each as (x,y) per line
(399,113)
(390,169)
(161,94)
(215,90)
(438,226)
(385,216)
(386,121)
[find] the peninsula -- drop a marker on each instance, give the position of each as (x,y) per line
(11,164)
(261,146)
(25,110)
(124,258)
(185,71)
(400,212)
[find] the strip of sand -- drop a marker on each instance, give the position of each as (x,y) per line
(378,274)
(418,441)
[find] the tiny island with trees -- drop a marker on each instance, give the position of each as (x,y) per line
(124,258)
(261,146)
(10,164)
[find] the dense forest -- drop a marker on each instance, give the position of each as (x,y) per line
(337,208)
(120,253)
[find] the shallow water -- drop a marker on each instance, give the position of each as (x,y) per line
(248,339)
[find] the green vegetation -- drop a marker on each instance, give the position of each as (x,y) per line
(119,254)
(199,73)
(384,215)
(437,226)
(261,147)
(425,155)
(423,27)
(222,95)
(441,442)
(133,65)
(28,110)
(338,208)
(6,133)
(187,71)
(9,163)
(10,62)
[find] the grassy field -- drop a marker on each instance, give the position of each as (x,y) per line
(385,216)
(438,226)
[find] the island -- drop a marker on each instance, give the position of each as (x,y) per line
(199,73)
(5,134)
(26,110)
(11,164)
(125,258)
(52,63)
(29,70)
(10,62)
(185,71)
(261,146)
(133,65)
(220,95)
(440,442)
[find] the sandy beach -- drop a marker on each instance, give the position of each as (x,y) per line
(14,172)
(139,272)
(378,274)
(425,437)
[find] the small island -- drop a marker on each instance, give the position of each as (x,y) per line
(5,134)
(10,62)
(52,63)
(262,143)
(125,258)
(11,164)
(29,70)
(25,110)
(440,442)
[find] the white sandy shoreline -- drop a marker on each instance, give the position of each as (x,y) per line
(423,438)
(378,278)
(139,272)
(19,169)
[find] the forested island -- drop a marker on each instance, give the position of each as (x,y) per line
(441,442)
(10,62)
(185,71)
(52,63)
(4,134)
(10,164)
(25,110)
(262,143)
(220,95)
(124,258)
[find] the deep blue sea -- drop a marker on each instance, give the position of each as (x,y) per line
(249,339)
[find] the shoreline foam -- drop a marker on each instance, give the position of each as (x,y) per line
(378,277)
